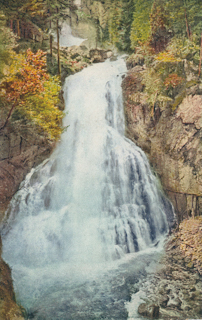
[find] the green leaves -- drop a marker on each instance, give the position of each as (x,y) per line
(7,42)
(33,92)
(140,29)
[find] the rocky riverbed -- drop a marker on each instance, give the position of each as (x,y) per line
(175,290)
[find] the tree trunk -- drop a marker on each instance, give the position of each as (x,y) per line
(8,116)
(187,25)
(199,69)
(18,28)
(58,47)
(11,25)
(51,45)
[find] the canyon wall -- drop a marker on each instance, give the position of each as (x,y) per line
(172,142)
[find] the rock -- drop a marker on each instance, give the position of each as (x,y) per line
(83,48)
(9,310)
(195,295)
(98,55)
(134,60)
(198,310)
(190,110)
(113,58)
(190,265)
(174,142)
(174,303)
(149,310)
(25,150)
(4,147)
(109,54)
(163,300)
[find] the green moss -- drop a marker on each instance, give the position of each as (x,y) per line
(178,99)
(192,83)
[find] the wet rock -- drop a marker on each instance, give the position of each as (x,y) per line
(190,265)
(174,303)
(195,295)
(9,310)
(25,149)
(134,60)
(163,300)
(149,310)
(174,142)
(198,310)
(99,55)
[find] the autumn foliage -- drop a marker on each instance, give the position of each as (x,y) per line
(28,81)
(29,88)
(173,80)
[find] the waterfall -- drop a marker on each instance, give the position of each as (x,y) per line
(92,204)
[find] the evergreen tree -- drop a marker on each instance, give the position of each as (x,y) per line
(140,29)
(159,32)
(7,42)
(184,17)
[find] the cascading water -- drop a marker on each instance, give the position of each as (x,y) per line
(79,215)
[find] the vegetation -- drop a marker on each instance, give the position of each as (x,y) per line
(26,89)
(32,91)
(127,24)
(160,33)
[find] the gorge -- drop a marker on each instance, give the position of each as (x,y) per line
(84,236)
(75,225)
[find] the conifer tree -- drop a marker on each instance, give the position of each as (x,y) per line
(140,29)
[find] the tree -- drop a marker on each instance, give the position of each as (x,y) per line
(57,12)
(29,88)
(140,29)
(7,42)
(184,17)
(159,34)
(114,22)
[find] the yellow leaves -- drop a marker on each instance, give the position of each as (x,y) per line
(15,65)
(42,108)
(33,91)
(167,56)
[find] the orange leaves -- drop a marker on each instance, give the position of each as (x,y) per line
(173,80)
(34,92)
(28,80)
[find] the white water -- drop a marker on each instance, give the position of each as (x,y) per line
(66,38)
(93,202)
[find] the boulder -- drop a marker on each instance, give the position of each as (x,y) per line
(149,310)
(98,55)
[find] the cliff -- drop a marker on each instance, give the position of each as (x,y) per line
(21,149)
(171,140)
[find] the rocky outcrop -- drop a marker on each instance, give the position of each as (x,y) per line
(176,288)
(149,310)
(21,149)
(9,310)
(172,142)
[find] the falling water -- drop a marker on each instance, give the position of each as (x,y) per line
(75,226)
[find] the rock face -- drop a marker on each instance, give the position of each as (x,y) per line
(149,310)
(20,151)
(172,142)
(175,288)
(9,310)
